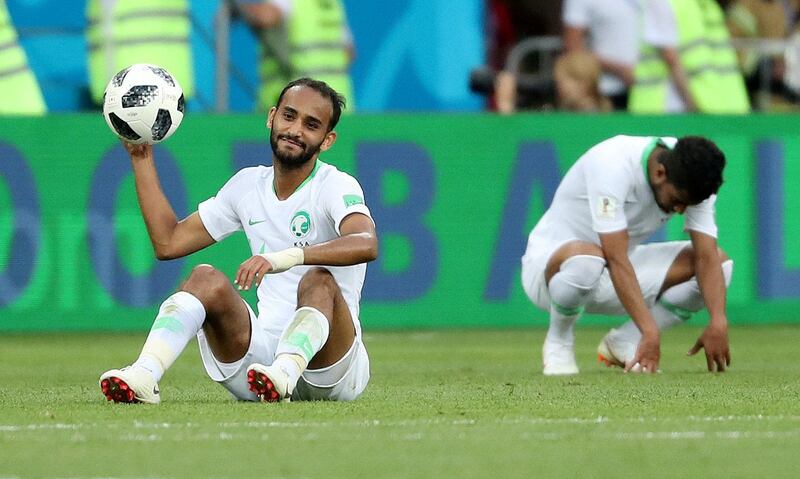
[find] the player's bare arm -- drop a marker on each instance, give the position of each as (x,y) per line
(261,15)
(679,77)
(357,244)
(712,286)
(170,238)
(624,72)
(623,277)
(574,38)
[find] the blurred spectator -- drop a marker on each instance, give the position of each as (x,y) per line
(609,29)
(510,22)
(123,32)
(301,38)
(577,74)
(791,13)
(791,76)
(726,89)
(19,90)
(764,72)
(754,19)
(505,92)
(501,35)
(678,70)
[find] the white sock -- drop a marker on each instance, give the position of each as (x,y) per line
(301,340)
(562,327)
(569,291)
(179,319)
(675,306)
(663,317)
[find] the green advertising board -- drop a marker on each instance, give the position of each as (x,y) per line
(453,196)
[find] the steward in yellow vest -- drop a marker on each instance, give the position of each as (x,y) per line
(123,32)
(728,92)
(713,79)
(312,42)
(19,90)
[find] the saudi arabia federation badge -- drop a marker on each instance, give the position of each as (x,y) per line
(300,225)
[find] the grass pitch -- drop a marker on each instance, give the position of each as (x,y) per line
(440,404)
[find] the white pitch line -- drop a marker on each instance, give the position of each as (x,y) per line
(468,422)
(34,427)
(684,435)
(639,437)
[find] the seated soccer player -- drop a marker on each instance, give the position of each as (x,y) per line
(310,235)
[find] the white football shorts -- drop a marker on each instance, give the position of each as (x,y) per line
(650,262)
(343,381)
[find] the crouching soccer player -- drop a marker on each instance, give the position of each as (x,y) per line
(310,234)
(586,252)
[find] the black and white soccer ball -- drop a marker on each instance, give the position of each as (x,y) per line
(143,104)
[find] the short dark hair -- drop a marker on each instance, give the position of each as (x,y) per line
(338,101)
(694,165)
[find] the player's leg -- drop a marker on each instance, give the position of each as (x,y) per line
(320,336)
(572,273)
(678,297)
(207,301)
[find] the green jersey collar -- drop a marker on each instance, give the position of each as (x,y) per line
(313,172)
(646,154)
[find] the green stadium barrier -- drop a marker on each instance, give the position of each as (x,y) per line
(454,197)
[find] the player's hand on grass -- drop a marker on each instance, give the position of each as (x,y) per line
(715,342)
(648,354)
(138,152)
(252,271)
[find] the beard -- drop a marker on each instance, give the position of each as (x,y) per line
(292,160)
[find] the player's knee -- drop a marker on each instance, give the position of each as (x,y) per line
(576,278)
(207,283)
(582,271)
(317,280)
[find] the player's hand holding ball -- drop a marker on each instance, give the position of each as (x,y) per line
(143,104)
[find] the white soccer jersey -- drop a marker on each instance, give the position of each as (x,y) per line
(311,215)
(607,190)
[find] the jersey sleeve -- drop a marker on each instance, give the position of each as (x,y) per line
(659,25)
(701,217)
(218,213)
(607,185)
(341,197)
(575,14)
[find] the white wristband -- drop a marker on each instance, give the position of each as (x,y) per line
(283,260)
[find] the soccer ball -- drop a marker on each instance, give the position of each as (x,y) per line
(143,104)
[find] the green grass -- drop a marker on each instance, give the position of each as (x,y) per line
(440,404)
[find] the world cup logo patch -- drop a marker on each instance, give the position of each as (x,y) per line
(300,224)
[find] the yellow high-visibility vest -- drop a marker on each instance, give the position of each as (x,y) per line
(19,90)
(728,92)
(311,44)
(714,80)
(651,75)
(123,32)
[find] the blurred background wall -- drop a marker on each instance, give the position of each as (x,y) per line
(410,54)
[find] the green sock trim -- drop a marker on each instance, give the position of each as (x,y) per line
(683,314)
(567,311)
(302,342)
(168,322)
